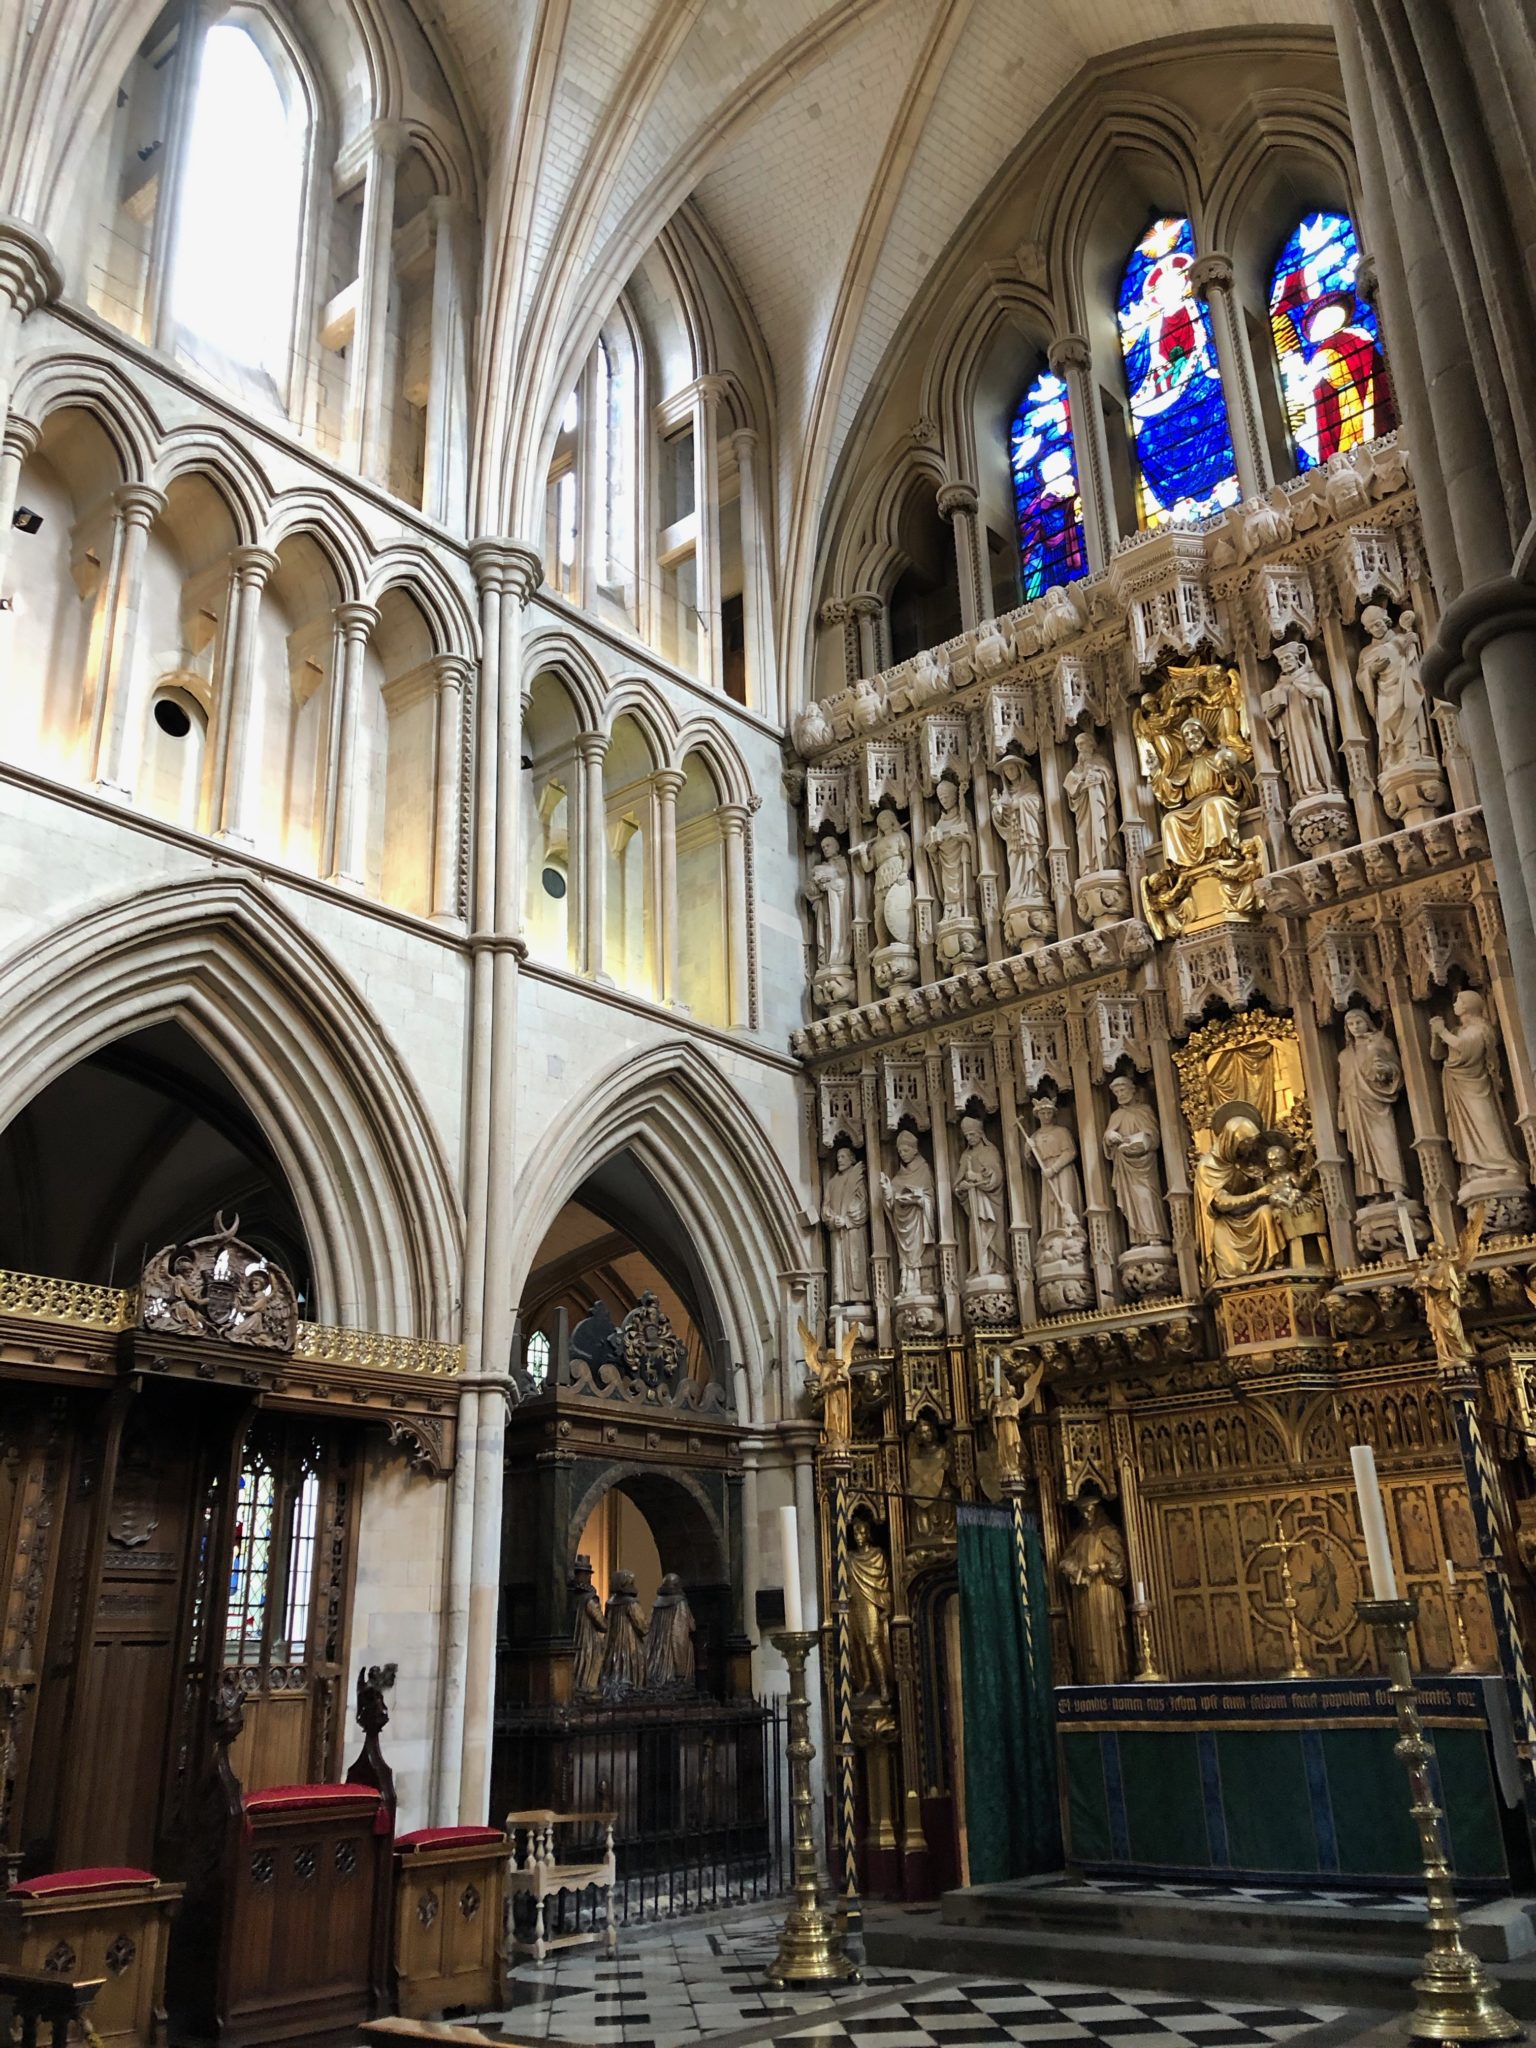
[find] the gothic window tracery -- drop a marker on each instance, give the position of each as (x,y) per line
(1185,465)
(1327,341)
(1048,504)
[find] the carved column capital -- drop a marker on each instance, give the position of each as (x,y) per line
(508,566)
(20,439)
(1213,272)
(733,819)
(450,671)
(744,442)
(1070,352)
(29,270)
(356,621)
(958,497)
(590,747)
(253,566)
(668,783)
(138,504)
(833,612)
(865,604)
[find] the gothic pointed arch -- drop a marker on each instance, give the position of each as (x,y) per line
(332,1094)
(673,1108)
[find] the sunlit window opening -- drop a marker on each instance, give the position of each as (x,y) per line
(237,250)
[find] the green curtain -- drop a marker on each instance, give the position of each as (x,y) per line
(1013,1823)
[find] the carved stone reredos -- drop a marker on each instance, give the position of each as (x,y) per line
(216,1286)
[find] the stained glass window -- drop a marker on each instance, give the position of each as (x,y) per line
(536,1359)
(1184,460)
(1332,371)
(1047,501)
(251,1566)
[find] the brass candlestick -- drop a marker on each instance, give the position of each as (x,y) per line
(1147,1672)
(1464,1666)
(810,1947)
(1284,1545)
(1454,1998)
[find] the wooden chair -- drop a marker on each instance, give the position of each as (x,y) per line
(107,1927)
(536,1872)
(34,1998)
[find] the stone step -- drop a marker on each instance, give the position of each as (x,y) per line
(1498,1930)
(1264,1973)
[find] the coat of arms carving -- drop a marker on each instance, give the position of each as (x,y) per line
(216,1286)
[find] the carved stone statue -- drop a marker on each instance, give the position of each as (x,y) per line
(1295,1201)
(869,1614)
(1299,712)
(930,1482)
(1090,791)
(1370,1081)
(888,859)
(623,1669)
(1053,1148)
(868,705)
(951,850)
(1198,761)
(1387,677)
(1018,812)
(829,893)
(1238,1232)
(591,1631)
(1094,1567)
(1133,1143)
(989,650)
(1471,1084)
(911,1204)
(813,729)
(845,1212)
(979,1191)
(669,1646)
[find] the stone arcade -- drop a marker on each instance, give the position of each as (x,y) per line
(766,856)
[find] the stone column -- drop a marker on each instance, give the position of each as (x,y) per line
(667,784)
(160,291)
(350,806)
(138,506)
(738,911)
(867,610)
(590,749)
(250,570)
(19,443)
(507,575)
(837,612)
(452,674)
(1212,279)
(365,438)
(959,504)
(29,277)
(756,581)
(1070,358)
(444,487)
(708,392)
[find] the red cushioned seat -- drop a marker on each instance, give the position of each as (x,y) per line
(281,1798)
(451,1838)
(100,1878)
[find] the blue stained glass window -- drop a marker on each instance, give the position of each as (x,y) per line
(1185,465)
(1047,501)
(1332,370)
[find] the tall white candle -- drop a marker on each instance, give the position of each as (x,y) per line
(789,1543)
(839,1338)
(997,1376)
(1373,1520)
(1450,1574)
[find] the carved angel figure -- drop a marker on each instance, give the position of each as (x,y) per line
(1443,1288)
(829,1376)
(813,729)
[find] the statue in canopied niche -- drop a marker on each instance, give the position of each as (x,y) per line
(887,858)
(845,1212)
(931,1485)
(1388,679)
(829,893)
(1095,1569)
(869,1614)
(1053,1147)
(911,1204)
(1299,712)
(1471,1083)
(951,849)
(1370,1081)
(669,1641)
(1090,792)
(624,1660)
(1133,1144)
(591,1634)
(979,1191)
(1018,812)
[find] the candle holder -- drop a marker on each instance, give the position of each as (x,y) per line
(1464,1666)
(1454,1998)
(1283,1545)
(810,1946)
(1147,1672)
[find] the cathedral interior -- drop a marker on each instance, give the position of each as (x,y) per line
(767,974)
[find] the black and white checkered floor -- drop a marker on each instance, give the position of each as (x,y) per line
(1257,1894)
(678,1987)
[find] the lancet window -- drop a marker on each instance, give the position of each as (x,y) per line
(1185,465)
(1327,342)
(1048,504)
